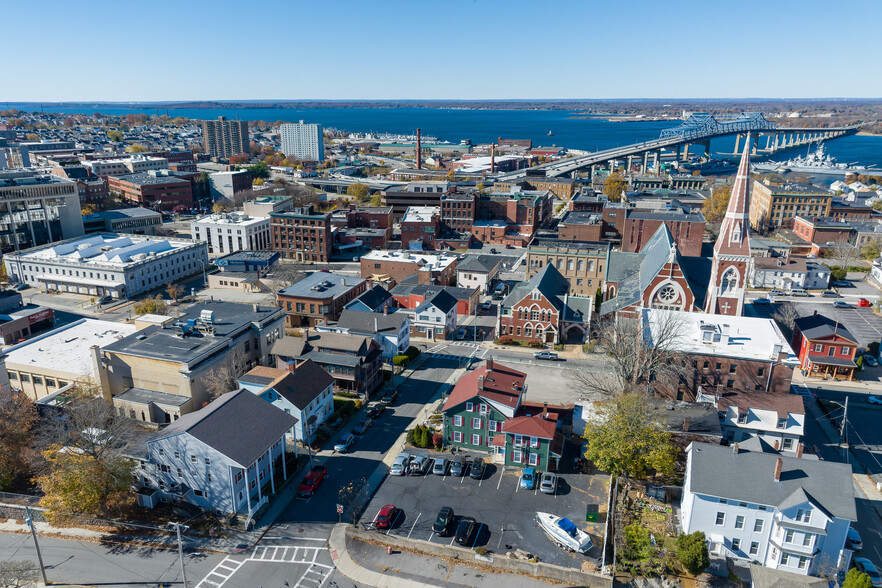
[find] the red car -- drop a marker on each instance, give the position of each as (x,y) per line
(864,303)
(313,479)
(386,516)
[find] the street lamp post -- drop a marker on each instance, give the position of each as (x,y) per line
(204,278)
(30,522)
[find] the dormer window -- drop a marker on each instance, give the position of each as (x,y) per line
(782,423)
(742,418)
(802,515)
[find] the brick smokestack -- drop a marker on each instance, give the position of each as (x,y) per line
(419,153)
(779,465)
(492,159)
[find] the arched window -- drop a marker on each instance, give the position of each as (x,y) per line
(729,281)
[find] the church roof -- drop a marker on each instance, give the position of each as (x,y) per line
(733,239)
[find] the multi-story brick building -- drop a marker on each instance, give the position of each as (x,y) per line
(582,263)
(397,265)
(821,230)
(92,191)
(587,200)
(541,310)
(686,228)
(458,210)
(726,352)
(580,226)
(153,189)
(302,234)
(563,188)
(487,412)
(369,217)
(421,225)
(318,298)
(420,193)
(774,205)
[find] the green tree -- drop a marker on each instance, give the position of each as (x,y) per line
(259,170)
(691,550)
(17,418)
(871,250)
(376,200)
(154,305)
(136,149)
(115,136)
(598,299)
(625,440)
(714,208)
(358,191)
(614,185)
(857,579)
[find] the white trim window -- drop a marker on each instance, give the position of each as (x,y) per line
(534,442)
(457,420)
(483,408)
(534,459)
(518,440)
(517,456)
(470,407)
(476,439)
(493,426)
(457,437)
(476,423)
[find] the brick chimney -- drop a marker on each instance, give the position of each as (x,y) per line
(489,364)
(385,309)
(686,424)
(419,150)
(776,444)
(779,464)
(545,411)
(480,383)
(735,449)
(799,450)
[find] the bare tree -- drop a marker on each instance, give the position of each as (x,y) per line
(224,377)
(283,275)
(785,315)
(17,574)
(639,357)
(354,497)
(843,253)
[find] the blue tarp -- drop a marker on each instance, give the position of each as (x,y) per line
(568,526)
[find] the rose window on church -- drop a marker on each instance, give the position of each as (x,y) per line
(667,294)
(667,298)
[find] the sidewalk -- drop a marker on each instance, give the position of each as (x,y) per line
(371,564)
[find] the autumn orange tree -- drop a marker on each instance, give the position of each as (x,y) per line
(614,185)
(714,208)
(17,418)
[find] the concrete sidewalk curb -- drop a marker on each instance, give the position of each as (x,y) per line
(347,566)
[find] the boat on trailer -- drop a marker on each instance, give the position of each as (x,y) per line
(564,532)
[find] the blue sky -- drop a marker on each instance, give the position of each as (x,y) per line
(447,49)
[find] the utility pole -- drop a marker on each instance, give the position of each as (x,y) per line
(844,420)
(177,527)
(30,522)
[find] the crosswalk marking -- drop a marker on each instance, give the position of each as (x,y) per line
(314,577)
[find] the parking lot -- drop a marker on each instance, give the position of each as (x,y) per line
(503,510)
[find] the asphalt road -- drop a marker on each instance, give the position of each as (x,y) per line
(111,566)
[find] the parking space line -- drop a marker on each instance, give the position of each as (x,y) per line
(452,538)
(414,524)
(477,533)
(501,475)
(432,536)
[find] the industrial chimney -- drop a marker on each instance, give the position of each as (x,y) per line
(493,159)
(419,150)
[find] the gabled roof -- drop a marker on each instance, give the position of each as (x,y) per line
(478,263)
(238,425)
(550,283)
(373,298)
(441,300)
(303,385)
(817,326)
(501,384)
(369,323)
(743,400)
(715,470)
(530,426)
(289,346)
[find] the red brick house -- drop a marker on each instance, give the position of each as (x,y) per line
(423,224)
(686,228)
(542,311)
(825,347)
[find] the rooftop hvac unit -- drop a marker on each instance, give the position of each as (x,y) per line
(206,316)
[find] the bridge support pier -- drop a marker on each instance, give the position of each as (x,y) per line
(707,149)
(656,161)
(645,162)
(755,141)
(630,163)
(737,142)
(686,152)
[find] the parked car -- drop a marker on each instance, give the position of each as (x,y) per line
(548,485)
(362,426)
(528,479)
(864,303)
(874,399)
(799,292)
(762,302)
(477,469)
(419,465)
(460,333)
(344,443)
(830,294)
(841,304)
(389,397)
(21,287)
(458,466)
(487,305)
(494,251)
(443,522)
(777,293)
(386,516)
(312,480)
(465,530)
(854,539)
(440,466)
(867,567)
(399,466)
(105,299)
(870,361)
(545,355)
(842,284)
(376,410)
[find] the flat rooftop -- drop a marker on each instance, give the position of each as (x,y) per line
(126,213)
(420,214)
(559,244)
(740,337)
(322,285)
(147,179)
(105,250)
(581,217)
(67,348)
(437,261)
(239,219)
(248,256)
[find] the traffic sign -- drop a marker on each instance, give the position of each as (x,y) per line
(339,509)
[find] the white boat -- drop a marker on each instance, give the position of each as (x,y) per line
(564,532)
